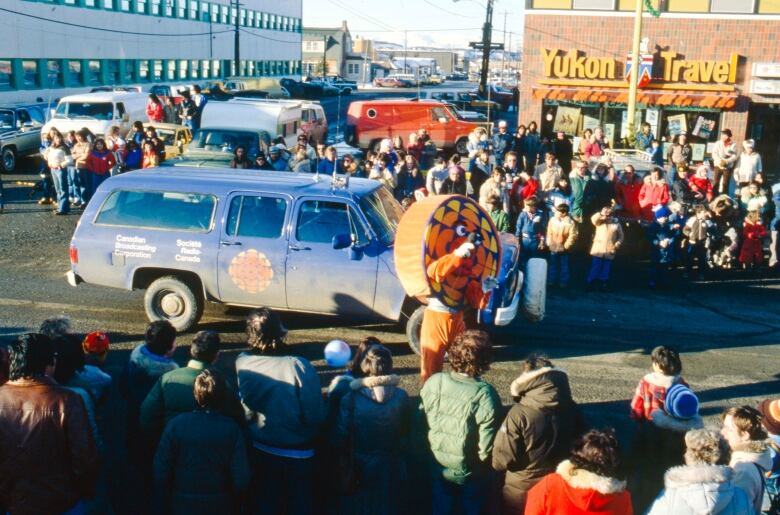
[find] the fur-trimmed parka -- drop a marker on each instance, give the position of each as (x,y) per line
(570,491)
(537,433)
(701,490)
(746,460)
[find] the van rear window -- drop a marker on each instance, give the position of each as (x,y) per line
(192,212)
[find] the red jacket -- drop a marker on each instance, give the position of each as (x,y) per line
(594,149)
(100,163)
(650,395)
(154,112)
(520,192)
(753,231)
(627,196)
(572,491)
(701,185)
(652,194)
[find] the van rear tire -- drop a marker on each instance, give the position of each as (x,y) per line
(413,327)
(169,298)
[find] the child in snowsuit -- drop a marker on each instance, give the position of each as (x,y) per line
(662,236)
(530,229)
(696,230)
(561,237)
(753,234)
(497,214)
(606,241)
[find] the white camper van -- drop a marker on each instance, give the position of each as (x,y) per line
(277,117)
(98,112)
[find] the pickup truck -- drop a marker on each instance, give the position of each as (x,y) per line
(347,87)
(20,132)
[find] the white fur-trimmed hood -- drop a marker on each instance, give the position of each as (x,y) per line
(523,379)
(754,451)
(662,380)
(377,388)
(686,475)
(584,479)
(665,421)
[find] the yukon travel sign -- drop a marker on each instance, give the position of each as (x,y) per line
(573,67)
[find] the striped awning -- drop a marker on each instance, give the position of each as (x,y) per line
(646,97)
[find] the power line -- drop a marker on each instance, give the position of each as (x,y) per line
(418,30)
(114,31)
(453,13)
(370,19)
(269,39)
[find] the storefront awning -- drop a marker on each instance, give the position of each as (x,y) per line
(646,97)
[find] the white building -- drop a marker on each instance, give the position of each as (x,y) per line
(51,48)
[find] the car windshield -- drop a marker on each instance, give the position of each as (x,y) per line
(383,213)
(168,136)
(85,110)
(224,141)
(6,120)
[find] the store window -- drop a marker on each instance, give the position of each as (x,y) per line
(113,72)
(168,8)
(54,77)
(250,19)
(93,72)
(689,6)
(732,6)
(193,10)
(140,6)
(205,69)
(170,70)
(594,4)
(242,18)
(214,13)
(194,70)
(181,8)
(109,4)
(183,73)
(224,12)
(265,21)
(128,71)
(6,74)
(74,73)
(30,73)
(205,9)
(143,70)
(258,20)
(233,14)
(157,70)
(155,9)
(125,6)
(215,68)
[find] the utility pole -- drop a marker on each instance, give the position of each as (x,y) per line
(237,44)
(486,46)
(634,79)
(324,56)
(503,52)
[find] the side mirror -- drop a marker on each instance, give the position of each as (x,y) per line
(442,120)
(342,241)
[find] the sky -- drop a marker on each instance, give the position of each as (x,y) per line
(439,23)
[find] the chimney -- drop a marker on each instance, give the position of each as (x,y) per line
(344,25)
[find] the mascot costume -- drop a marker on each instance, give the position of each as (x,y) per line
(447,254)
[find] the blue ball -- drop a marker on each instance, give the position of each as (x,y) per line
(337,353)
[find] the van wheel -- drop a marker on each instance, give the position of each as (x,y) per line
(169,298)
(8,160)
(413,326)
(461,146)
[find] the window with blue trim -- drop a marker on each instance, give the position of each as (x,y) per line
(125,6)
(181,9)
(54,74)
(140,6)
(205,10)
(93,75)
(143,70)
(169,8)
(113,72)
(6,74)
(155,8)
(193,10)
(74,73)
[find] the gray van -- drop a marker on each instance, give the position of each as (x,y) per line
(255,238)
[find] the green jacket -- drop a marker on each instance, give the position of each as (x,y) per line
(462,415)
(173,395)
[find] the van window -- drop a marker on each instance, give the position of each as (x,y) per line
(37,116)
(191,212)
(319,221)
(256,217)
(85,111)
(438,112)
(306,115)
(120,110)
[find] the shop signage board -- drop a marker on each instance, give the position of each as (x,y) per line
(765,87)
(766,70)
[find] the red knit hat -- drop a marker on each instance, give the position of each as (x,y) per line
(96,343)
(770,410)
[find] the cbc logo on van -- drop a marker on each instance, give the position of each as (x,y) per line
(251,271)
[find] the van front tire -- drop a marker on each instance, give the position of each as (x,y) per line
(413,327)
(169,298)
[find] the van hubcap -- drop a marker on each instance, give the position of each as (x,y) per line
(172,305)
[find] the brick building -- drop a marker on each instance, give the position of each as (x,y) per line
(714,65)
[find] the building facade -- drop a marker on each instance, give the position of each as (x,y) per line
(51,48)
(706,65)
(314,41)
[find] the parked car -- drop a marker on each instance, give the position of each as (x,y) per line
(498,94)
(435,79)
(458,76)
(347,87)
(176,137)
(300,89)
(98,112)
(368,122)
(254,238)
(463,100)
(219,142)
(391,82)
(328,89)
(20,132)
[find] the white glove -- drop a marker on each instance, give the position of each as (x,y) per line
(489,283)
(464,250)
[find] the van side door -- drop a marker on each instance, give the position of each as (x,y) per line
(253,250)
(320,278)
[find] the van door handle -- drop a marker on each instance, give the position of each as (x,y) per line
(229,243)
(298,248)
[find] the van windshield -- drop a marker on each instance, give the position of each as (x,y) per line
(6,119)
(383,213)
(85,110)
(218,140)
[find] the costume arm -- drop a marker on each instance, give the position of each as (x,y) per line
(442,267)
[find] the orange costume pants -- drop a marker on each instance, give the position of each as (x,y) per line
(436,334)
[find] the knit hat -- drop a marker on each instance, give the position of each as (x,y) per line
(681,402)
(770,410)
(96,343)
(662,212)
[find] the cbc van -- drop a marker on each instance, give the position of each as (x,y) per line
(276,117)
(98,112)
(369,122)
(255,238)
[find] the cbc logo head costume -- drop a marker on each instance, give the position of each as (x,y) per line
(434,228)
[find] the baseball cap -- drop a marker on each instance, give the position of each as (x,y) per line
(502,123)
